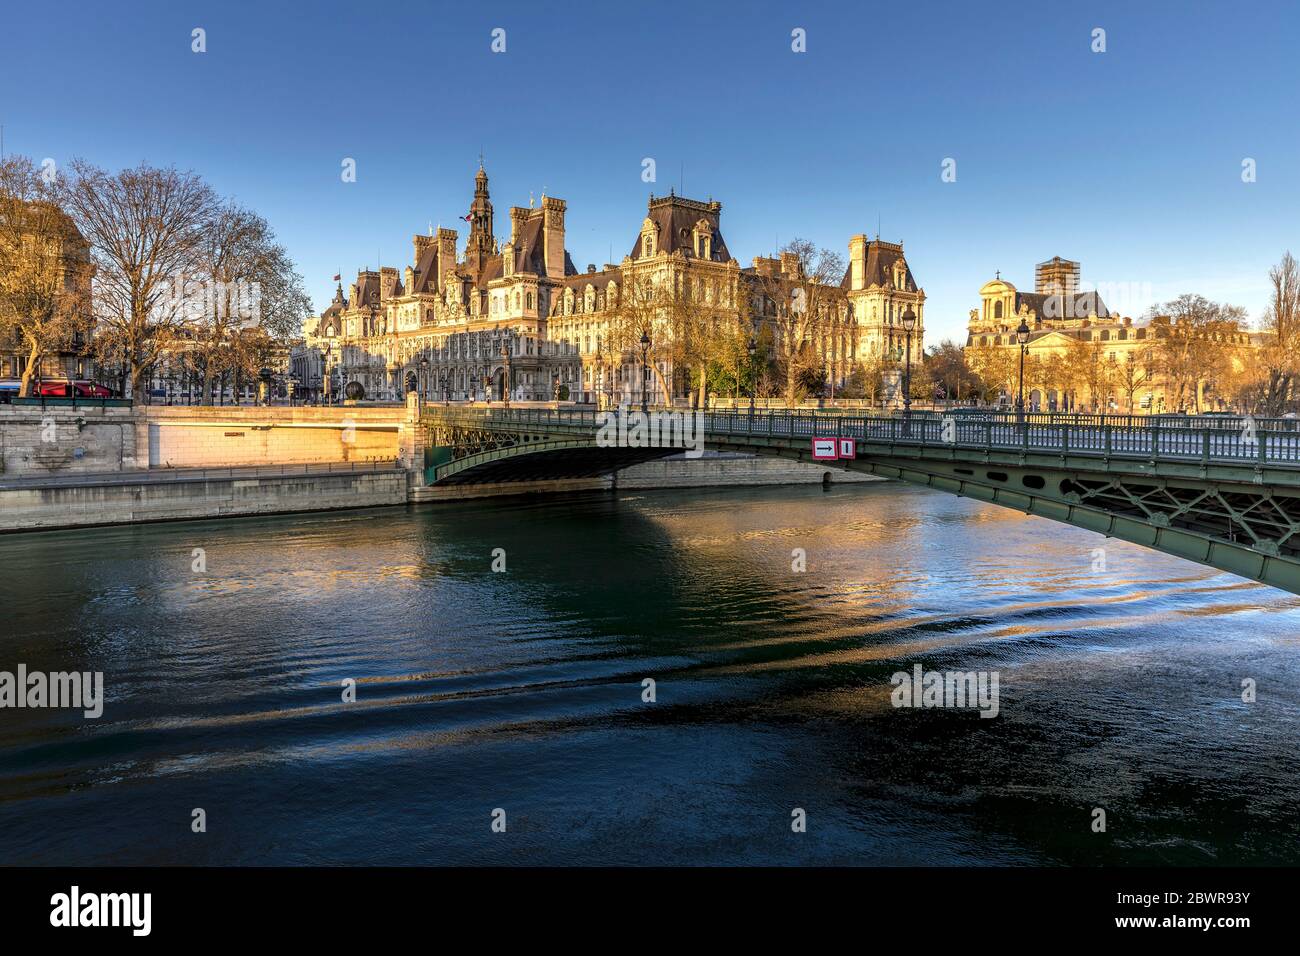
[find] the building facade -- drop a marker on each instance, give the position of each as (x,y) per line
(513,317)
(1080,356)
(69,358)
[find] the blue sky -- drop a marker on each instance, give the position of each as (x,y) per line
(1128,160)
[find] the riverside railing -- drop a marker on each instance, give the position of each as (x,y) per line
(1180,438)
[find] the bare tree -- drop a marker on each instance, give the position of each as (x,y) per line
(799,291)
(1192,333)
(946,366)
(1279,371)
(246,281)
(997,369)
(1086,365)
(44,268)
(1133,374)
(644,310)
(145,227)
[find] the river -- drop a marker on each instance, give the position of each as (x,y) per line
(521,690)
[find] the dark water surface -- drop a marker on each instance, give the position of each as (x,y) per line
(1120,688)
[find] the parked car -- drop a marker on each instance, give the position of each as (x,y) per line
(9,388)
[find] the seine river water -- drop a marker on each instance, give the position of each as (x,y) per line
(1120,688)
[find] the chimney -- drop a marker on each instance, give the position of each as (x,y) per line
(420,243)
(553,236)
(789,265)
(446,252)
(858,262)
(387,282)
(508,252)
(518,216)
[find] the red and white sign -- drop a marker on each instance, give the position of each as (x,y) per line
(848,448)
(825,449)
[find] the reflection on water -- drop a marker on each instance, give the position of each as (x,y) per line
(1120,688)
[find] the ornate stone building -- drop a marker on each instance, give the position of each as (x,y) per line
(67,359)
(512,315)
(1080,356)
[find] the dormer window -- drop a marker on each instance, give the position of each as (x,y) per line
(648,233)
(703,239)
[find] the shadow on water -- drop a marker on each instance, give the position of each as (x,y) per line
(1120,688)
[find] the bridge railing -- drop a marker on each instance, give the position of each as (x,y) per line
(1229,439)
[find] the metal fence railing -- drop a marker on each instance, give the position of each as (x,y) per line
(1211,438)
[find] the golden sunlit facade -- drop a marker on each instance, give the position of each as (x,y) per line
(1080,356)
(516,318)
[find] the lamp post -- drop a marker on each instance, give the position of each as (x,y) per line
(645,345)
(598,386)
(424,374)
(751,348)
(325,373)
(1022,337)
(505,372)
(909,323)
(487,387)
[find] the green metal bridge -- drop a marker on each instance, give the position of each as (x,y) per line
(1223,492)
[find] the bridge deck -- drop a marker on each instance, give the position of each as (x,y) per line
(1275,442)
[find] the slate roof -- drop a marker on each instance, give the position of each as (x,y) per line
(675,218)
(879,270)
(1079,305)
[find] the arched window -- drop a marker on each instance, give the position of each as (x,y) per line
(997,309)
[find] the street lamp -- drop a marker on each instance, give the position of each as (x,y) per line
(598,386)
(325,376)
(442,381)
(1022,336)
(645,344)
(505,372)
(909,323)
(487,386)
(424,374)
(751,348)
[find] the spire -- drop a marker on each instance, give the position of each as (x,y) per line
(480,242)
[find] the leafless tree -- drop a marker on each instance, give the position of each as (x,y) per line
(146,230)
(798,291)
(1279,374)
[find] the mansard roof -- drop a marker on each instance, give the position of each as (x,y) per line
(367,289)
(675,218)
(530,249)
(1080,305)
(428,269)
(598,280)
(879,270)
